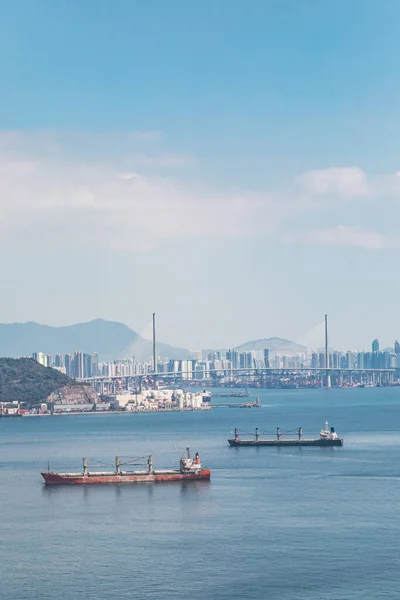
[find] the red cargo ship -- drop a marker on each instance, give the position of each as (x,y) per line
(190,469)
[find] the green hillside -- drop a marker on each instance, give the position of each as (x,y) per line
(25,380)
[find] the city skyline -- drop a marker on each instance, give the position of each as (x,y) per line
(82,365)
(238,187)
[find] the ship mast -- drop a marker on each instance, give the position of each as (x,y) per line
(327,375)
(154,351)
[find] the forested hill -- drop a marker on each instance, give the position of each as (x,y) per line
(25,380)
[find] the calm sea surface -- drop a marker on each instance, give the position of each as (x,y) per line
(314,523)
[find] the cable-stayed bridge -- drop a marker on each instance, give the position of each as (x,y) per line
(321,367)
(303,376)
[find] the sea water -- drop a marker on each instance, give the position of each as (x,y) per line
(316,523)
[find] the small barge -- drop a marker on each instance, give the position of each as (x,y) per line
(327,438)
(255,404)
(231,394)
(190,469)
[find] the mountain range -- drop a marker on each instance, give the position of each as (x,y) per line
(108,339)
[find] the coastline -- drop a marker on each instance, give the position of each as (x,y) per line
(115,412)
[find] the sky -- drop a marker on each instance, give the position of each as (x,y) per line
(233,166)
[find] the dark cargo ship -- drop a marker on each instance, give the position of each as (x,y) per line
(327,438)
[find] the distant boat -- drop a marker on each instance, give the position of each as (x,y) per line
(327,437)
(232,394)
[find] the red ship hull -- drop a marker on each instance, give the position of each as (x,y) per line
(51,478)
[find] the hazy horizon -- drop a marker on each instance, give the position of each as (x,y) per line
(312,340)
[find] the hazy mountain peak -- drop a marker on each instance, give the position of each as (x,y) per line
(273,344)
(109,339)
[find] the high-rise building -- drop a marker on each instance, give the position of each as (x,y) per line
(200,371)
(367,359)
(173,366)
(40,357)
(350,360)
(266,358)
(68,365)
(233,357)
(79,365)
(59,360)
(87,366)
(336,360)
(375,346)
(94,365)
(249,360)
(396,347)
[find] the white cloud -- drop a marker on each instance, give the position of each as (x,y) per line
(349,182)
(168,160)
(343,181)
(76,189)
(68,201)
(343,235)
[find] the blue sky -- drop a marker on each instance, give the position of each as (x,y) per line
(231,165)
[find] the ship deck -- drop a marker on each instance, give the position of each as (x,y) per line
(121,474)
(318,442)
(52,478)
